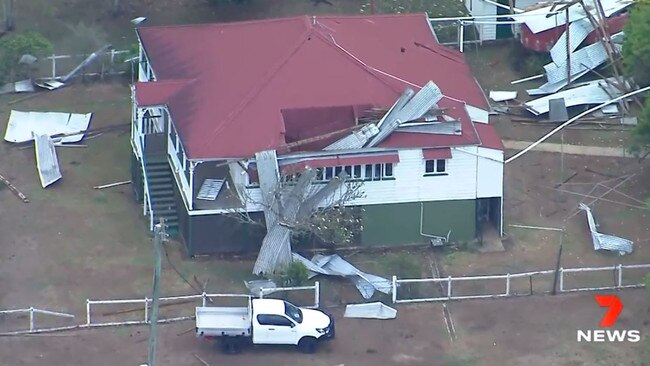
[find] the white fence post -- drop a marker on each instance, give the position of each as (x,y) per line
(204,299)
(317,294)
(508,284)
(561,279)
(53,66)
(146,310)
(449,287)
(261,293)
(619,279)
(31,318)
(87,312)
(394,292)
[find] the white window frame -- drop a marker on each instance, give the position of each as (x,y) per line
(435,171)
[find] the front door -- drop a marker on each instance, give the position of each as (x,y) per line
(274,329)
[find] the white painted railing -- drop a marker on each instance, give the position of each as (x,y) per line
(315,287)
(32,311)
(507,278)
(111,61)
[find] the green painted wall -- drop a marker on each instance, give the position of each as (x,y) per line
(399,223)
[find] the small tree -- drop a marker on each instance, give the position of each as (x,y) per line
(640,137)
(636,47)
(13,47)
(294,274)
(333,222)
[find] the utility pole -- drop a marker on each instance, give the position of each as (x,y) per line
(9,15)
(159,237)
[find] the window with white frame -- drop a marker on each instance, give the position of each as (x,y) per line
(434,167)
(368,172)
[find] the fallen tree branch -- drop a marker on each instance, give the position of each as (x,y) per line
(13,189)
(113,184)
(201,360)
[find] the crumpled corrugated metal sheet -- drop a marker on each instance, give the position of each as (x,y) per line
(586,58)
(439,128)
(595,92)
(47,162)
(541,22)
(373,310)
(356,139)
(413,109)
(604,241)
(578,32)
(269,176)
(334,265)
(275,251)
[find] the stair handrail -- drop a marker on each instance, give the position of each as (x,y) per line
(147,200)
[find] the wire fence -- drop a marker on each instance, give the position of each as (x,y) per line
(519,284)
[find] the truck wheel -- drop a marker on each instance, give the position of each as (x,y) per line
(230,346)
(307,345)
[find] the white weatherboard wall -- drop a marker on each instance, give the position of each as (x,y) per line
(489,173)
(487,32)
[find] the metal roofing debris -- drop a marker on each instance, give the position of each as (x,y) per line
(22,126)
(23,86)
(255,286)
(557,110)
(502,96)
(275,252)
(50,84)
(437,128)
(90,59)
(603,241)
(210,189)
(269,178)
(334,265)
(27,59)
(594,92)
(586,58)
(548,88)
(541,22)
(356,140)
(47,163)
(373,310)
(411,109)
(578,32)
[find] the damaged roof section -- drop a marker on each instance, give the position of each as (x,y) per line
(604,241)
(47,162)
(591,93)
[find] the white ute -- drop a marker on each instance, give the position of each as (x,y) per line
(264,321)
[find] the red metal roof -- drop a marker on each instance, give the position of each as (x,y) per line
(436,153)
(159,92)
(489,136)
(233,107)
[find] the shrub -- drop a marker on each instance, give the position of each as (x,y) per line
(14,47)
(294,274)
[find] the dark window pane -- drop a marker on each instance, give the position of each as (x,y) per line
(440,166)
(319,174)
(430,166)
(388,170)
(338,170)
(378,170)
(368,172)
(357,171)
(348,170)
(329,171)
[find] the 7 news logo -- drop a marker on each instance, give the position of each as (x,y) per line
(615,306)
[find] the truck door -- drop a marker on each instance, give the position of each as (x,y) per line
(274,329)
